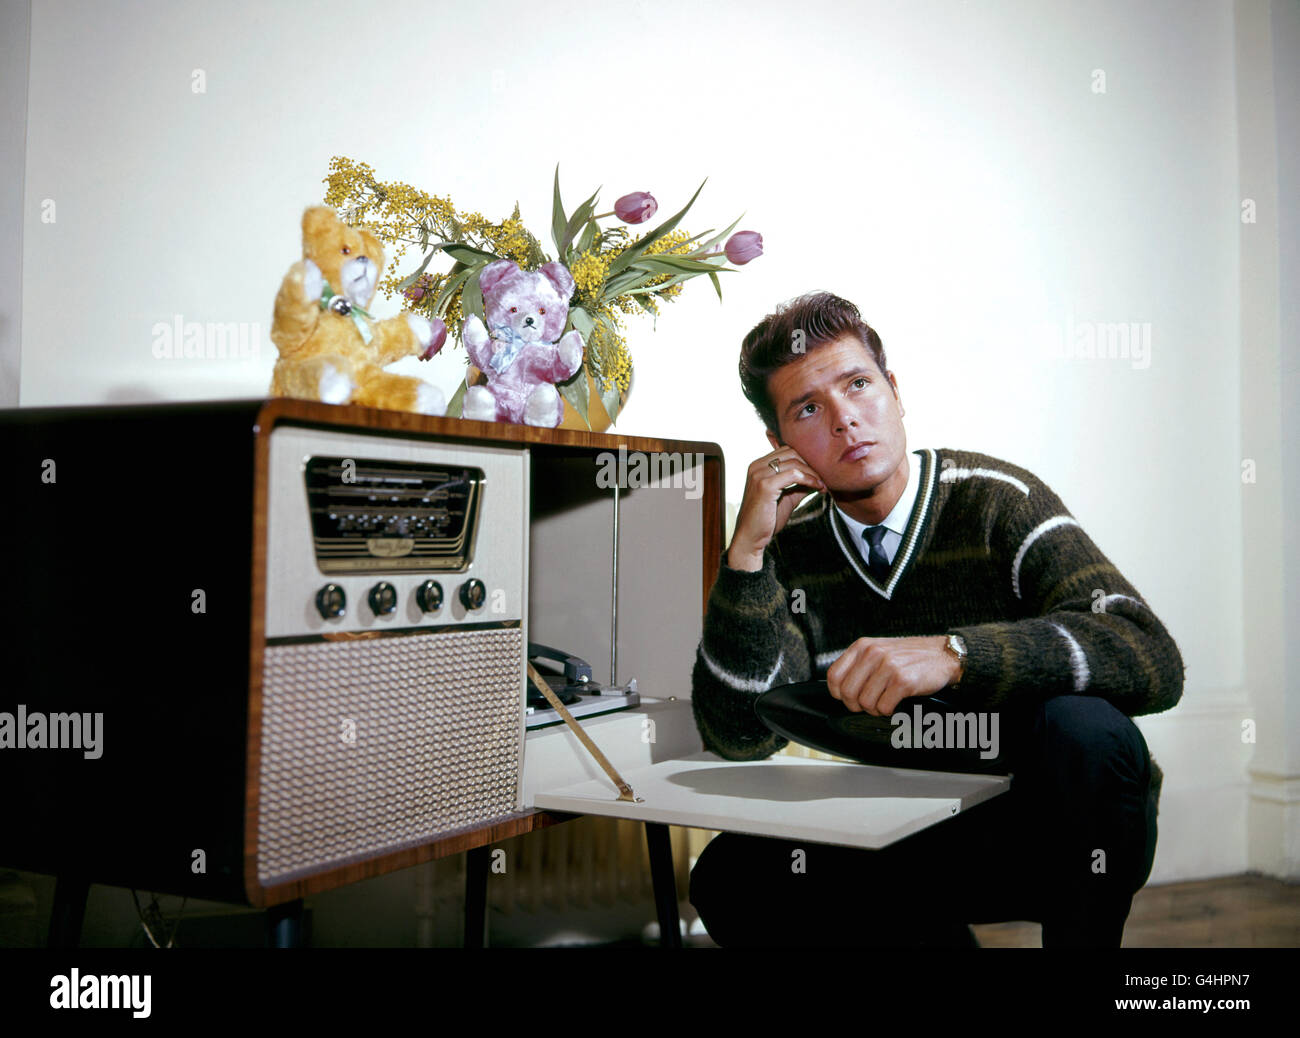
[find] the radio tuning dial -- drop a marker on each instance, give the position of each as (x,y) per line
(383,598)
(429,596)
(473,594)
(331,601)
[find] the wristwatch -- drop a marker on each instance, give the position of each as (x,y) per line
(957,647)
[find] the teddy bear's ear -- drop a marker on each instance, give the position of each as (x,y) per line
(317,219)
(558,275)
(493,273)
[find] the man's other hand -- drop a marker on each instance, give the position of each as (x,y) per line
(876,674)
(774,486)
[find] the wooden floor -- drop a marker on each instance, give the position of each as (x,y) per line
(1246,911)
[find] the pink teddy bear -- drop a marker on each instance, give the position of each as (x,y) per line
(526,312)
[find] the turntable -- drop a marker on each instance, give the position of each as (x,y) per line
(569,677)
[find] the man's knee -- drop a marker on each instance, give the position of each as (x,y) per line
(722,888)
(1087,740)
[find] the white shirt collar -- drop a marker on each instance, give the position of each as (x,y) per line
(897,519)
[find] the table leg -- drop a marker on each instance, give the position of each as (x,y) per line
(284,925)
(476,877)
(69,911)
(665,883)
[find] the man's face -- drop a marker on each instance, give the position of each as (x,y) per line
(843,417)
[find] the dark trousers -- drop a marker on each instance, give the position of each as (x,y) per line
(1067,846)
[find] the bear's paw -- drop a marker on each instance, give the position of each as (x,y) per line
(543,407)
(313,281)
(430,400)
(336,386)
(420,328)
(480,405)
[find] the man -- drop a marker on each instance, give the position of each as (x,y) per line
(905,574)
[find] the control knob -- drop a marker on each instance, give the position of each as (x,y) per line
(331,601)
(383,598)
(473,594)
(429,596)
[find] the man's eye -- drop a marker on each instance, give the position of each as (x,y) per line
(804,410)
(861,379)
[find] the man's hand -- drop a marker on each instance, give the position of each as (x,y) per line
(774,487)
(876,674)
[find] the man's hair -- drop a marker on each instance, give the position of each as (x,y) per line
(790,333)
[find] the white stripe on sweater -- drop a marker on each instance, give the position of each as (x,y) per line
(1078,661)
(742,684)
(1044,527)
(1119,598)
(952,474)
(802,515)
(825,659)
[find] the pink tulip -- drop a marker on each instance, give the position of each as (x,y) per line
(637,207)
(439,338)
(744,246)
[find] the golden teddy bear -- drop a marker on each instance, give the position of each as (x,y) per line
(331,349)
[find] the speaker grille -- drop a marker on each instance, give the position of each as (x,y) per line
(372,745)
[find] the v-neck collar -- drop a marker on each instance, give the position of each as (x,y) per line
(911,537)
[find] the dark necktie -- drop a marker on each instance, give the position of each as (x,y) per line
(877,560)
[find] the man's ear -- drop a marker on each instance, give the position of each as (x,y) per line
(893,382)
(773,440)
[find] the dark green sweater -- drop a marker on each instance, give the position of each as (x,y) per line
(990,553)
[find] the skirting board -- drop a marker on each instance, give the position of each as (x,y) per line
(793,798)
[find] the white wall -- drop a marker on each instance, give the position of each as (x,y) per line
(15,20)
(951,166)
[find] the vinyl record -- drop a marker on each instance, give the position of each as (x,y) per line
(807,714)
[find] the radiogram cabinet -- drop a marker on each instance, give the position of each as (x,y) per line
(258,649)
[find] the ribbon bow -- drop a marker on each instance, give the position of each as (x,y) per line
(330,300)
(514,344)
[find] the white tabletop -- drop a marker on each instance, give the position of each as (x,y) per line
(795,798)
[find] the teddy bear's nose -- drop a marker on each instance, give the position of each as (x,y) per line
(528,320)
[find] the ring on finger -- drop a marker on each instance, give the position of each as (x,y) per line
(774,465)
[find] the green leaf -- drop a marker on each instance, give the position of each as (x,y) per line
(609,397)
(449,289)
(625,282)
(692,241)
(664,263)
(557,214)
(580,216)
(651,289)
(629,254)
(406,283)
(471,296)
(588,236)
(455,406)
(717,286)
(581,320)
(468,254)
(718,237)
(575,392)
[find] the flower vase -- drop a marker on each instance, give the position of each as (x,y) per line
(598,419)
